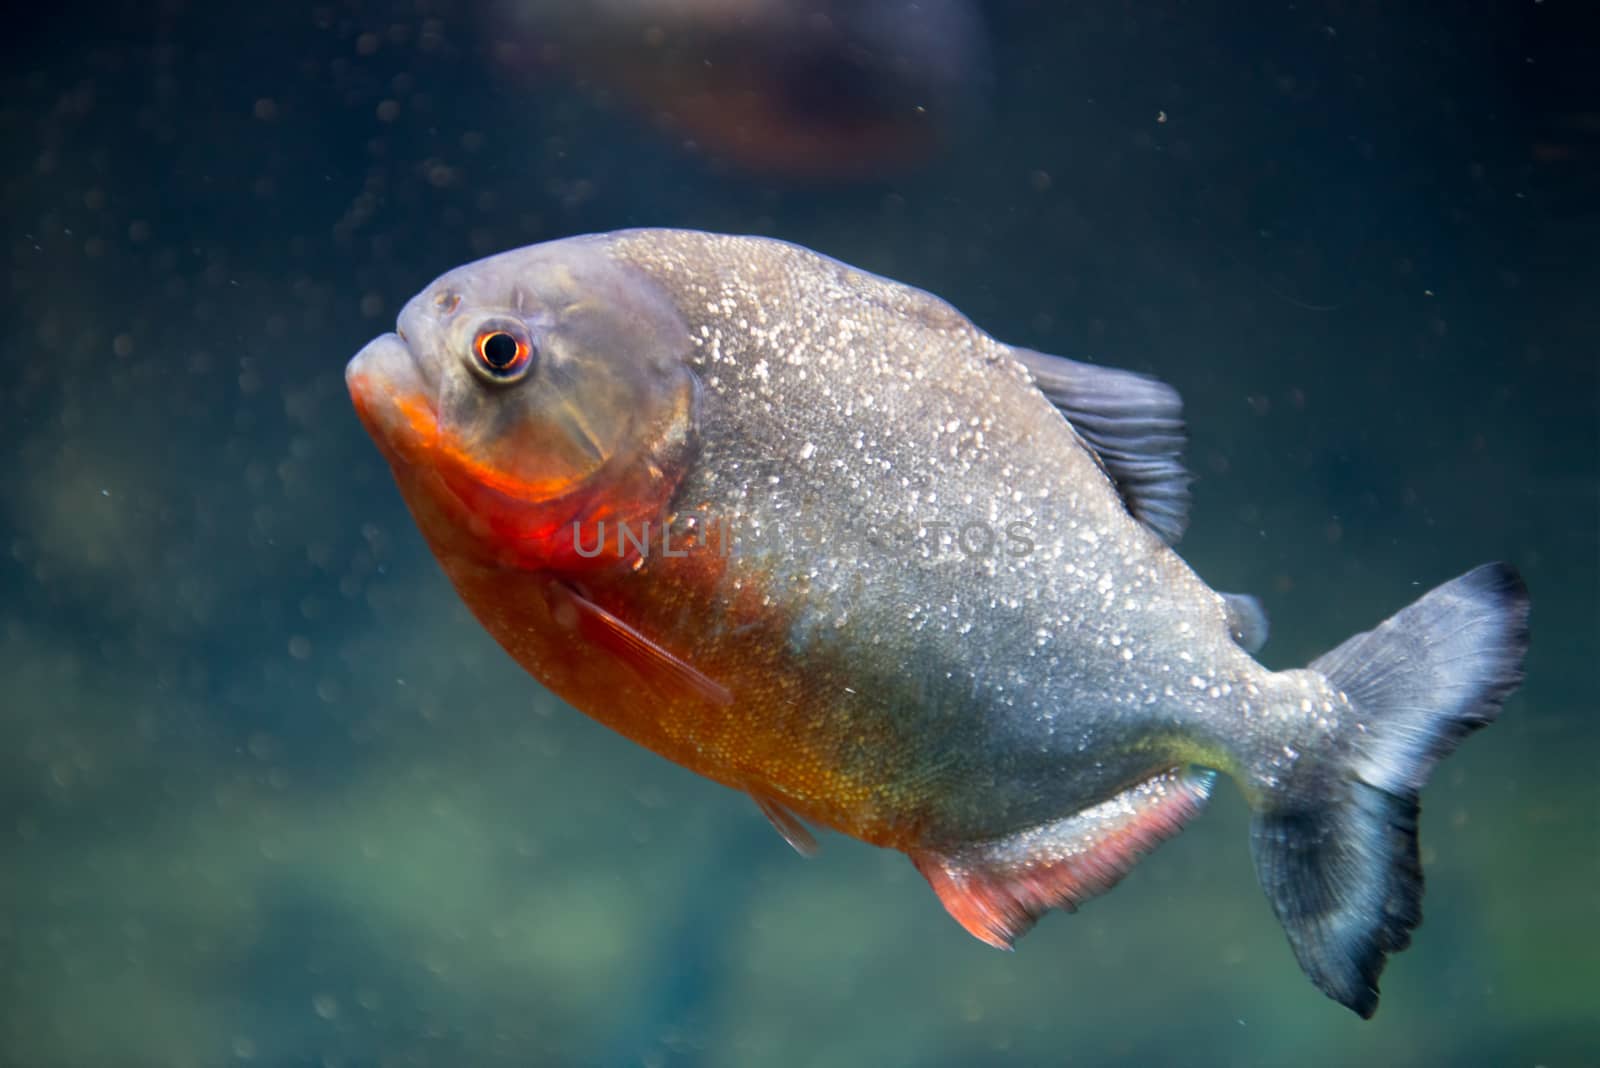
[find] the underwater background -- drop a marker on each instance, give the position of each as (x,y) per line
(269,796)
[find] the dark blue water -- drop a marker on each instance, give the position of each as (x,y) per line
(268,795)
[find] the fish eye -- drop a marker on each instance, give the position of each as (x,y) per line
(503,351)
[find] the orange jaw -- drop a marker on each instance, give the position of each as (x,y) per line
(468,505)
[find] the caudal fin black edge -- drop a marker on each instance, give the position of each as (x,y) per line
(1343,871)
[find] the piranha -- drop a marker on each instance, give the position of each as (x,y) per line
(814,535)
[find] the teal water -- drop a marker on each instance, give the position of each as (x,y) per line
(269,796)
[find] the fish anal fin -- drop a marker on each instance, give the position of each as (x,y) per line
(660,667)
(998,889)
(796,833)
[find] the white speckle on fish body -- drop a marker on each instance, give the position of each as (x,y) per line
(915,416)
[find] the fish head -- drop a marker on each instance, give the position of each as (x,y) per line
(528,394)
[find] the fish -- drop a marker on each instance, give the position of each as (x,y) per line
(814,90)
(813,534)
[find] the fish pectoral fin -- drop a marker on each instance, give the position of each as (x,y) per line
(650,661)
(796,833)
(1134,425)
(998,889)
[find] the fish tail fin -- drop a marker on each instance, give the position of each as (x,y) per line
(1342,869)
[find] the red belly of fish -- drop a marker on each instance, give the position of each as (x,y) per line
(768,725)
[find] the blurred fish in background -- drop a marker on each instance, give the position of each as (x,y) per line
(1567,137)
(809,89)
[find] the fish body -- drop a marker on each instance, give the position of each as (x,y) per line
(813,534)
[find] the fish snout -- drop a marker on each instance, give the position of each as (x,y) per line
(391,395)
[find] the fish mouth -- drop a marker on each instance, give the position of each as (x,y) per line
(392,396)
(397,404)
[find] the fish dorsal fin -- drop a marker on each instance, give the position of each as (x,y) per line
(999,888)
(788,824)
(1134,424)
(663,670)
(1247,621)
